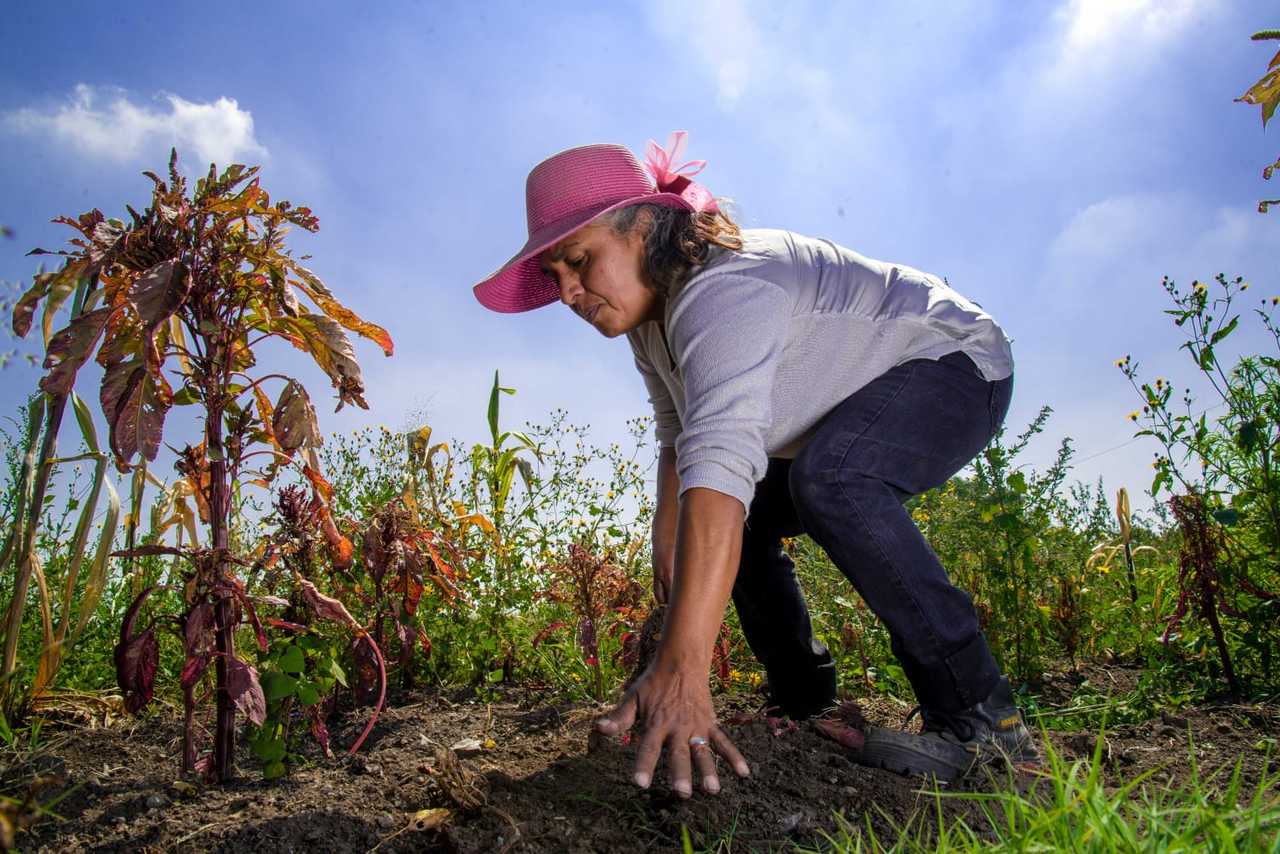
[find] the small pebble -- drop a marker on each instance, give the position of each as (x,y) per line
(386,821)
(791,822)
(156,801)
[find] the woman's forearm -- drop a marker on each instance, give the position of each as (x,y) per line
(709,542)
(667,511)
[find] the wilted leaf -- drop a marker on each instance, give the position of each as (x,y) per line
(329,346)
(294,420)
(105,238)
(326,608)
(319,731)
(266,414)
(24,309)
(430,819)
(322,487)
(193,464)
(245,691)
(136,657)
(327,303)
(841,733)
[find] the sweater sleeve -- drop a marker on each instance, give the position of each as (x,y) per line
(728,333)
(665,418)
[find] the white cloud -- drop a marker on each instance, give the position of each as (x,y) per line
(1091,24)
(106,123)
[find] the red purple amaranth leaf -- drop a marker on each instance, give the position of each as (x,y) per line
(136,656)
(245,690)
(70,348)
(156,295)
(198,642)
(135,403)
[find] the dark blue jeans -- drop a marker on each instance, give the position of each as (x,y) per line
(905,432)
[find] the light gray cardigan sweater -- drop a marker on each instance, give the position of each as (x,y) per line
(761,343)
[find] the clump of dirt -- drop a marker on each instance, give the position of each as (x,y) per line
(442,773)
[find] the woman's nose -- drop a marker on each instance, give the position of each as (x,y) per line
(570,288)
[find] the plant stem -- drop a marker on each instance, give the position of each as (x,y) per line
(26,545)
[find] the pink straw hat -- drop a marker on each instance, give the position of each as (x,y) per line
(570,189)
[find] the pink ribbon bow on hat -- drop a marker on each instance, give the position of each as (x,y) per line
(678,179)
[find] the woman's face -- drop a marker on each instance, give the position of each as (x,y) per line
(600,276)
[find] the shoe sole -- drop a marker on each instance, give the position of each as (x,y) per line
(893,750)
(884,749)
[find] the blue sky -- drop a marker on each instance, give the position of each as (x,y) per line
(1053,160)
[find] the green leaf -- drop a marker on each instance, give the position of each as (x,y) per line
(292,660)
(85,419)
(493,409)
(277,686)
(273,771)
(1249,435)
(268,749)
(186,396)
(307,694)
(494,675)
(1225,331)
(1018,482)
(1227,515)
(336,670)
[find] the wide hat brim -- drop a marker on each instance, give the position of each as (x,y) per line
(522,285)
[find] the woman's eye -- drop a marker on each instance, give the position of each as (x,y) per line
(577,262)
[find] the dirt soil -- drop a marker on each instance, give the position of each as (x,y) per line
(532,779)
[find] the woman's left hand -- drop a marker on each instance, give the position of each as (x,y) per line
(672,704)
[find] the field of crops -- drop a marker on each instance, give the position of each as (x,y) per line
(385,640)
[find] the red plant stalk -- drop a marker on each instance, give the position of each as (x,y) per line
(382,696)
(224,734)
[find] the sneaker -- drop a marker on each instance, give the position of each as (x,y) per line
(950,745)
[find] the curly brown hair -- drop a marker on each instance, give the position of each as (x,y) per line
(676,240)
